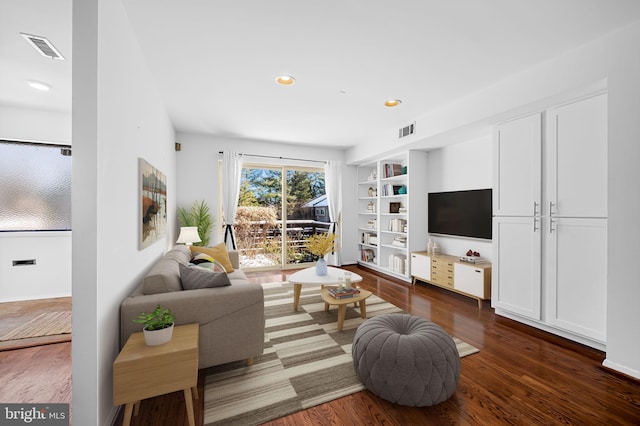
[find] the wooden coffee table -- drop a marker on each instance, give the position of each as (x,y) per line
(342,303)
(308,277)
(141,371)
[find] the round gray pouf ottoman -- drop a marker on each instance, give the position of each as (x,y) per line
(406,359)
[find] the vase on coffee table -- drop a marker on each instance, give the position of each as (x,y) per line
(321,267)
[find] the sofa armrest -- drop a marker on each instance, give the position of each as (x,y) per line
(191,306)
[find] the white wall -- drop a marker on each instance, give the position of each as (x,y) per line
(197,165)
(117,118)
(465,165)
(49,277)
(611,62)
(28,124)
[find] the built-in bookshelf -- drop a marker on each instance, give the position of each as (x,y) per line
(392,214)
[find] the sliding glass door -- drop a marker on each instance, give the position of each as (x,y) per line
(279,207)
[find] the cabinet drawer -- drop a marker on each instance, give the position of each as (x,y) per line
(442,278)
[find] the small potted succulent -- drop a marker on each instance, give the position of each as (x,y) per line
(158,325)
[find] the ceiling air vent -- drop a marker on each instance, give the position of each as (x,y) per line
(408,130)
(43,46)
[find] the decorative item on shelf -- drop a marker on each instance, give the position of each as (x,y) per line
(370,192)
(430,246)
(372,176)
(402,190)
(394,207)
(435,249)
(404,170)
(320,245)
(371,207)
(158,326)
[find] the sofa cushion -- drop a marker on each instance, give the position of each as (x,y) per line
(164,275)
(195,277)
(218,252)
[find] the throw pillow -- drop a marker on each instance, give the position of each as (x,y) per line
(212,265)
(218,252)
(195,277)
(202,258)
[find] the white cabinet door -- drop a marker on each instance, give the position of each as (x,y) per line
(421,266)
(518,167)
(577,159)
(576,276)
(517,264)
(469,279)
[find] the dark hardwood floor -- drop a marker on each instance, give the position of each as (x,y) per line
(521,376)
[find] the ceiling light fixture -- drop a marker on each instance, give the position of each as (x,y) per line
(39,85)
(285,80)
(392,103)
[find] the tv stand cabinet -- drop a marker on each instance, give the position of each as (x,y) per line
(449,272)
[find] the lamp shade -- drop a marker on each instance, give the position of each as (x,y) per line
(188,235)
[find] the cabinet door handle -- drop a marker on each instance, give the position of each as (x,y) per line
(535,208)
(551,204)
(535,223)
(551,225)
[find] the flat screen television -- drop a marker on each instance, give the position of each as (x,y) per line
(461,213)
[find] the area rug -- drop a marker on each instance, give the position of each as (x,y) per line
(306,361)
(46,324)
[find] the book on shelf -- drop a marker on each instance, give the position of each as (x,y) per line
(398,263)
(391,170)
(399,241)
(369,238)
(388,190)
(397,225)
(367,255)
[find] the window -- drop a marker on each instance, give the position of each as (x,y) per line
(279,207)
(36,187)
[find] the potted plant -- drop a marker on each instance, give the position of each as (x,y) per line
(158,325)
(200,217)
(321,245)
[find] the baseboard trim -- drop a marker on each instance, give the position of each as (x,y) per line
(628,373)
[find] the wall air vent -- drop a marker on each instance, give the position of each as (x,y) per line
(43,46)
(408,130)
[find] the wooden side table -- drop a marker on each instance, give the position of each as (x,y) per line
(142,371)
(342,303)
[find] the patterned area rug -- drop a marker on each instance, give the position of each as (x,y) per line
(46,324)
(306,361)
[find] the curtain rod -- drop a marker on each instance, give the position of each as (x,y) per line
(54,145)
(280,158)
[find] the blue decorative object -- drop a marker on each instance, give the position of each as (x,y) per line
(402,190)
(321,267)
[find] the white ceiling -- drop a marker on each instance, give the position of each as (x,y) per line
(214,62)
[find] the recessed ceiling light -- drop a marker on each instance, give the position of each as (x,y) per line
(285,80)
(392,103)
(39,85)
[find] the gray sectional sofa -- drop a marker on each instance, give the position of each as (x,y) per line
(231,317)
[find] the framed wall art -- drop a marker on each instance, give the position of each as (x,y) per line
(153,203)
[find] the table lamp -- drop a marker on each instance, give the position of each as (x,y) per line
(188,235)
